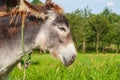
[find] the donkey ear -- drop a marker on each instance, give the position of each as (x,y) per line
(48,1)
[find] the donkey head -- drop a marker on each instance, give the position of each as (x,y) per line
(54,34)
(56,37)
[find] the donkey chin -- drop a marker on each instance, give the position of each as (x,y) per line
(66,54)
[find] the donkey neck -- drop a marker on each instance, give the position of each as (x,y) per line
(10,43)
(10,37)
(31,30)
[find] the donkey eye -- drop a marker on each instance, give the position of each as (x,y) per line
(62,28)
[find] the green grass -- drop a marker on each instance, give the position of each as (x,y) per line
(86,67)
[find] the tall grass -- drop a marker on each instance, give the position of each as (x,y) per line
(86,67)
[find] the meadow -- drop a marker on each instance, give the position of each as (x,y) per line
(86,67)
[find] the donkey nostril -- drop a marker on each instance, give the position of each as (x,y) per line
(73,57)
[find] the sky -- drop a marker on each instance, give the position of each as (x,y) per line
(97,6)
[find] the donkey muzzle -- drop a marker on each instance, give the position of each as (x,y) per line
(69,62)
(68,54)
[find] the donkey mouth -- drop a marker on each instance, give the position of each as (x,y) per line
(68,62)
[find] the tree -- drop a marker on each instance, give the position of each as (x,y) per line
(100,26)
(79,26)
(76,21)
(113,18)
(116,36)
(86,14)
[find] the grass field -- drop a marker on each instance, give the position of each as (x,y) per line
(86,67)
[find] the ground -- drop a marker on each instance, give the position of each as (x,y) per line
(86,67)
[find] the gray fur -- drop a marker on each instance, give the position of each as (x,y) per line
(53,35)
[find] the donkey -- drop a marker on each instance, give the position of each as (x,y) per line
(50,33)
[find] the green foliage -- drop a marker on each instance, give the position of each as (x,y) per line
(36,2)
(75,18)
(79,26)
(95,31)
(100,26)
(86,67)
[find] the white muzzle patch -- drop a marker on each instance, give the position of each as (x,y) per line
(68,54)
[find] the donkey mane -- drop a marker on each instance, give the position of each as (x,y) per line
(8,30)
(34,12)
(37,11)
(13,19)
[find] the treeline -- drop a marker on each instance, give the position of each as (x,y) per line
(95,32)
